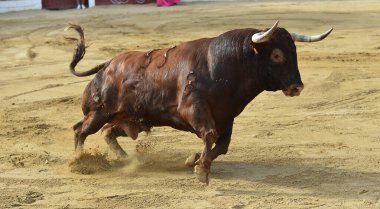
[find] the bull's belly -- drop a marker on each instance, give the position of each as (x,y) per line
(155,112)
(168,117)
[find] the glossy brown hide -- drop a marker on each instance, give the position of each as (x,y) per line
(198,86)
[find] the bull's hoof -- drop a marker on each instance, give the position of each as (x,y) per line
(202,174)
(192,159)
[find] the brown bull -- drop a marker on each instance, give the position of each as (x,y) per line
(198,86)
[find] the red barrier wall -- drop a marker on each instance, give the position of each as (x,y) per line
(59,4)
(108,2)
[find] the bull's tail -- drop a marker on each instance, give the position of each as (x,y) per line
(79,53)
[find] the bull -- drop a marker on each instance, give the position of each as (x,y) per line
(198,86)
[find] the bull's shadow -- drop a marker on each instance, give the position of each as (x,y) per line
(313,178)
(310,177)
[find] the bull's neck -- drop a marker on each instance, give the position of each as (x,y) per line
(248,88)
(231,58)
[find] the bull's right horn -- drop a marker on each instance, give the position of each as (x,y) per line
(261,37)
(304,38)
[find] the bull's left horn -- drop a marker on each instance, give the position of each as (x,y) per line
(261,37)
(304,38)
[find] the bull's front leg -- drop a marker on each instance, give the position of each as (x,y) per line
(196,111)
(203,165)
(200,118)
(221,146)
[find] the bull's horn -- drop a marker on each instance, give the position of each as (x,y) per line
(304,38)
(261,37)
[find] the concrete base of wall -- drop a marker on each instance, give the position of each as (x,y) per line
(18,5)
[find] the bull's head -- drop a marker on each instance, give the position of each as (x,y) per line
(277,55)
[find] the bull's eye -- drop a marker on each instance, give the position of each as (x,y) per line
(277,56)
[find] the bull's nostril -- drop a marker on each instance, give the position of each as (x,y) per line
(294,89)
(299,88)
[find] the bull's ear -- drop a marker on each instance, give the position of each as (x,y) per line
(254,48)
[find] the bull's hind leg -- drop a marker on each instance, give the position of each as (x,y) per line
(111,139)
(76,128)
(92,123)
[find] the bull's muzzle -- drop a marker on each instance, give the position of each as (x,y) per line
(293,90)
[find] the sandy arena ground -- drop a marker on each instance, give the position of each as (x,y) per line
(319,150)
